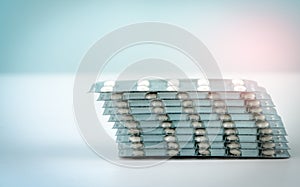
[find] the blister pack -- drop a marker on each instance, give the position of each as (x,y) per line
(193,118)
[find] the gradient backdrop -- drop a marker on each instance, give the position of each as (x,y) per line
(53,36)
(43,42)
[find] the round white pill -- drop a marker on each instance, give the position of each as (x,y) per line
(219,103)
(202,82)
(172,152)
(172,145)
(187,103)
(151,95)
(200,132)
(262,124)
(157,103)
(258,117)
(235,152)
(116,96)
(134,131)
(162,117)
(189,110)
(197,124)
(203,145)
(233,145)
(136,145)
(166,124)
(220,110)
(170,131)
(182,95)
(225,117)
(228,124)
(123,111)
(248,96)
(135,139)
(193,117)
(158,110)
(142,88)
(121,104)
(266,131)
(268,152)
(230,131)
(232,138)
(170,138)
(126,117)
(201,139)
(143,83)
(253,103)
(256,110)
(204,152)
(138,153)
(172,88)
(238,82)
(268,145)
(240,88)
(110,83)
(203,88)
(131,124)
(266,138)
(107,89)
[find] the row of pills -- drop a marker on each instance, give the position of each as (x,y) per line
(174,85)
(173,147)
(201,140)
(230,136)
(265,132)
(133,129)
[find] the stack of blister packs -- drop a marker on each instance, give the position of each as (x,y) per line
(193,118)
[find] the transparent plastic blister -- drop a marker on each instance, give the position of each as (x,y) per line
(193,118)
(218,153)
(192,145)
(178,117)
(177,85)
(186,110)
(181,103)
(153,124)
(214,138)
(114,96)
(187,130)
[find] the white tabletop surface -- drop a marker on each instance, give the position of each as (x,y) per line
(41,145)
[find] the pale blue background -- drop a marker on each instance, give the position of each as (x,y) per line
(43,42)
(53,36)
